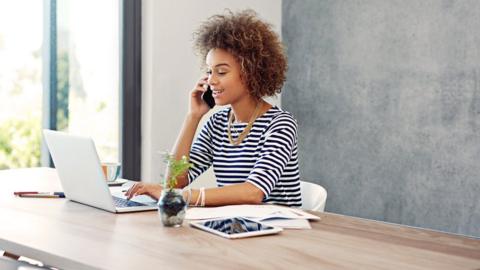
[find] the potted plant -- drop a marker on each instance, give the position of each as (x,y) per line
(171,205)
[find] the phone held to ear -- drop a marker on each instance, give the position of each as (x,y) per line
(208,98)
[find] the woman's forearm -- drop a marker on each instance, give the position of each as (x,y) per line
(244,193)
(184,143)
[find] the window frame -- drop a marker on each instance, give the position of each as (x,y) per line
(130,86)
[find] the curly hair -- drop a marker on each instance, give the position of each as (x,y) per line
(253,43)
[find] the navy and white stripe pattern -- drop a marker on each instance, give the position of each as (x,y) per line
(235,225)
(266,158)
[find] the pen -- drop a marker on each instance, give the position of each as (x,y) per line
(24,192)
(40,196)
(36,194)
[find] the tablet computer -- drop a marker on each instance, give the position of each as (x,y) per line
(235,227)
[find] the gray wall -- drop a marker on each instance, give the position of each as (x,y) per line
(387,96)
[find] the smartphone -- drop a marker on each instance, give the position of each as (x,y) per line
(208,98)
(235,227)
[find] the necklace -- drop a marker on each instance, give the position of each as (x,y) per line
(245,131)
(234,131)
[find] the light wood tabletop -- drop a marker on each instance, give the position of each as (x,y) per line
(69,235)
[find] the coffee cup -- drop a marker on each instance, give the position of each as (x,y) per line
(111,170)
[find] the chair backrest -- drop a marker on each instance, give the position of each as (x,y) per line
(314,196)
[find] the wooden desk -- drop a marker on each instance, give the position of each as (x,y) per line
(69,235)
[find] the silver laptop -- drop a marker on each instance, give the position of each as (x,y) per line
(81,175)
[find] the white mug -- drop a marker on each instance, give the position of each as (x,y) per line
(111,170)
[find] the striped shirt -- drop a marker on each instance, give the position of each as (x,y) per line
(266,158)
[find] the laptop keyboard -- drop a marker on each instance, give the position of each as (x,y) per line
(119,202)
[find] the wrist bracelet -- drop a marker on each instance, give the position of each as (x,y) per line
(198,198)
(189,195)
(202,192)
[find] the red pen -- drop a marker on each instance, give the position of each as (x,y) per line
(35,194)
(40,195)
(16,193)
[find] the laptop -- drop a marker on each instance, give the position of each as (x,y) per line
(81,176)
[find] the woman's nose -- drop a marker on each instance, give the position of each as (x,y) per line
(211,80)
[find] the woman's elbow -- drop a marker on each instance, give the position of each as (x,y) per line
(256,196)
(182,181)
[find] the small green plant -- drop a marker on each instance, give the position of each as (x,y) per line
(175,169)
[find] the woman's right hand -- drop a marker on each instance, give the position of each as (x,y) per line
(152,190)
(198,107)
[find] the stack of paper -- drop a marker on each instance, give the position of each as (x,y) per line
(273,215)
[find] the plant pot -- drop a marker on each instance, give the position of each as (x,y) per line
(172,207)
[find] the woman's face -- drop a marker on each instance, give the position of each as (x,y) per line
(224,78)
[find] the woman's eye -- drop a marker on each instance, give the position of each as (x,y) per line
(209,72)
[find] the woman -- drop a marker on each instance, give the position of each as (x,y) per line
(252,145)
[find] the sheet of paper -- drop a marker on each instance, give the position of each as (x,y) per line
(249,211)
(304,214)
(286,223)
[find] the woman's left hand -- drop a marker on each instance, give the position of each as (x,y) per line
(152,190)
(198,107)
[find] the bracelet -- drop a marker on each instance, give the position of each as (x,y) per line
(202,191)
(189,195)
(198,198)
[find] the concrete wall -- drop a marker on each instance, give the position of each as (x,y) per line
(387,95)
(170,69)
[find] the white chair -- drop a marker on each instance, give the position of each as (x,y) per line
(314,196)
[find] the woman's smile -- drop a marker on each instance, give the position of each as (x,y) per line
(217,92)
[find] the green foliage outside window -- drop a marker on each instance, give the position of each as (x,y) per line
(20,143)
(20,137)
(63,86)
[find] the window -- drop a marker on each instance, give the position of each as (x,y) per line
(85,79)
(88,71)
(20,83)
